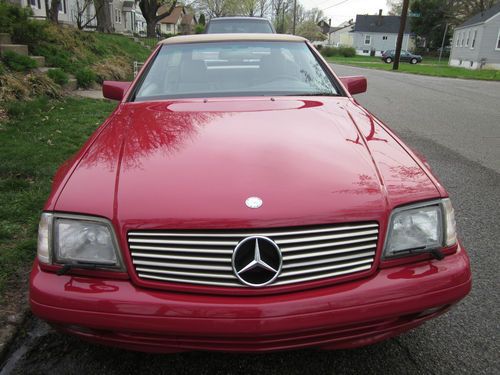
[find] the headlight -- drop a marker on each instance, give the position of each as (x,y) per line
(420,227)
(74,239)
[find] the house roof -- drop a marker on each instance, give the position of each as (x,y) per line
(379,24)
(481,16)
(202,38)
(187,19)
(172,17)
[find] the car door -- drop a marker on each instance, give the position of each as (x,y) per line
(405,56)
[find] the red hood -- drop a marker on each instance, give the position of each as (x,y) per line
(192,164)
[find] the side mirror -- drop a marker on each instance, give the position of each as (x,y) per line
(354,84)
(114,90)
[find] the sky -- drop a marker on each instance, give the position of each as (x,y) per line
(346,9)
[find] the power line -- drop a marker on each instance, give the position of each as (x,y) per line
(336,4)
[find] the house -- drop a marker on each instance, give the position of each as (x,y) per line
(476,42)
(123,13)
(342,35)
(179,21)
(373,35)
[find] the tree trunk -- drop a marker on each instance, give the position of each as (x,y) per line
(149,8)
(52,10)
(103,16)
(151,29)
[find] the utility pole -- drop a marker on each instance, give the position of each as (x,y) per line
(294,16)
(402,27)
(442,44)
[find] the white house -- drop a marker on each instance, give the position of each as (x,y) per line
(124,16)
(373,35)
(342,35)
(476,42)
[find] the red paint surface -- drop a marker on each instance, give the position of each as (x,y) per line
(355,84)
(190,164)
(370,307)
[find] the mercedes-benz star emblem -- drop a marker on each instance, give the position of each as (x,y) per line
(257,261)
(253,202)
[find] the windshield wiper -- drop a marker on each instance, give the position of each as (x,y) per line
(314,94)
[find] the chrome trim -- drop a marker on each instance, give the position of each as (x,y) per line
(204,257)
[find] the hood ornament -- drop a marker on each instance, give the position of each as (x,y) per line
(253,202)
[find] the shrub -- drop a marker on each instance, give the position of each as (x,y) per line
(85,77)
(29,32)
(17,62)
(347,51)
(11,15)
(338,51)
(199,29)
(329,51)
(58,76)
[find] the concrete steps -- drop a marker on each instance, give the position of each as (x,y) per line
(40,60)
(6,45)
(17,48)
(72,84)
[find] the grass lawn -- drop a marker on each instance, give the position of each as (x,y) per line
(429,67)
(38,137)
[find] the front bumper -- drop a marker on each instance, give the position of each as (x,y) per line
(351,314)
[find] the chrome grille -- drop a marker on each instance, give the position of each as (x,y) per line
(204,257)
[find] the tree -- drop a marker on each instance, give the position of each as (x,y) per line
(201,19)
(432,19)
(149,9)
(103,16)
(310,30)
(219,8)
(52,10)
(82,7)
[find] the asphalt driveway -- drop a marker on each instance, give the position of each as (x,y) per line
(456,125)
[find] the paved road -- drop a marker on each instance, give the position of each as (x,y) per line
(454,123)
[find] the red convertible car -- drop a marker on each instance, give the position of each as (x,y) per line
(239,199)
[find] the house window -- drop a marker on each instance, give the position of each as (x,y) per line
(62,6)
(36,4)
(462,37)
(384,37)
(498,41)
(467,40)
(474,35)
(457,40)
(368,39)
(118,16)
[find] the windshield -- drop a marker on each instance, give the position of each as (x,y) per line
(238,26)
(234,69)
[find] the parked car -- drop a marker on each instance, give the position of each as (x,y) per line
(240,199)
(225,25)
(406,56)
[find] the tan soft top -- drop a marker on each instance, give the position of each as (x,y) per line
(202,38)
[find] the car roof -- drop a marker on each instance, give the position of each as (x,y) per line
(239,18)
(236,37)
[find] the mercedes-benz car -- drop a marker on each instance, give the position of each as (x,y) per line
(240,199)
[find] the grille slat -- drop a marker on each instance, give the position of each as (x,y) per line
(289,265)
(205,257)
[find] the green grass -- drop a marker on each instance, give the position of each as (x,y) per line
(38,137)
(429,67)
